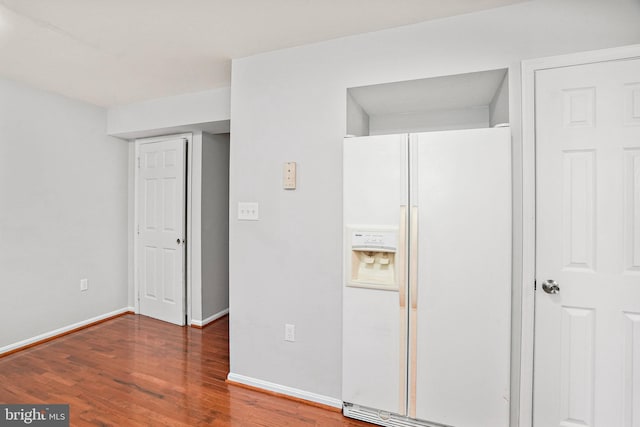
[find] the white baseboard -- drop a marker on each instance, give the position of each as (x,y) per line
(62,330)
(289,391)
(205,322)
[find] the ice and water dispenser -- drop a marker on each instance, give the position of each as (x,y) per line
(372,258)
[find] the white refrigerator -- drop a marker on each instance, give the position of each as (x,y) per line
(427,278)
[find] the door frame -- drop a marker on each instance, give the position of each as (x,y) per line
(529,68)
(188,252)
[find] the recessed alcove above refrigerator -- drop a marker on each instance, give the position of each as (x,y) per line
(427,209)
(462,101)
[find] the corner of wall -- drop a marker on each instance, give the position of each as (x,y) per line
(194,222)
(131,209)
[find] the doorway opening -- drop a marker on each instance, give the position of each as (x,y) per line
(203,280)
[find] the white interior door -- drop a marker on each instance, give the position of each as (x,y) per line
(374,320)
(160,261)
(587,335)
(461,303)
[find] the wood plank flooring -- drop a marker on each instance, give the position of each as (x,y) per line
(137,371)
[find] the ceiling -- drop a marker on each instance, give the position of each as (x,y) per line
(115,52)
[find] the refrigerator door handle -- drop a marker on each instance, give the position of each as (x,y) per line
(413,261)
(402,296)
(413,298)
(402,257)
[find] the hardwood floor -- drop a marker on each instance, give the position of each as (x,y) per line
(137,371)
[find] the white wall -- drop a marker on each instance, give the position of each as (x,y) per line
(170,115)
(357,118)
(426,121)
(290,105)
(131,223)
(215,224)
(499,107)
(63,186)
(194,227)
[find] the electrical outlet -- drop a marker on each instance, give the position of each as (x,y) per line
(84,284)
(289,332)
(248,211)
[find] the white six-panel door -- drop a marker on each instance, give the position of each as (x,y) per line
(461,302)
(160,231)
(587,334)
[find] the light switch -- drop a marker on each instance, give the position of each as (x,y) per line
(248,211)
(289,176)
(289,332)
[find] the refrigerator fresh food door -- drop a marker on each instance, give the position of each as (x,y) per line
(461,300)
(374,318)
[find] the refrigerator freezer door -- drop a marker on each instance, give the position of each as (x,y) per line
(375,179)
(461,183)
(374,327)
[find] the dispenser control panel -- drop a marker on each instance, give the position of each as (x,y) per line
(372,257)
(381,241)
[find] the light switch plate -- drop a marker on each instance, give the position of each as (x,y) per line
(248,211)
(289,176)
(289,332)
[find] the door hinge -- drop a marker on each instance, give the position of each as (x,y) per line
(138,162)
(138,226)
(535,285)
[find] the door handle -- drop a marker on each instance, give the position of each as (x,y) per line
(179,241)
(551,287)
